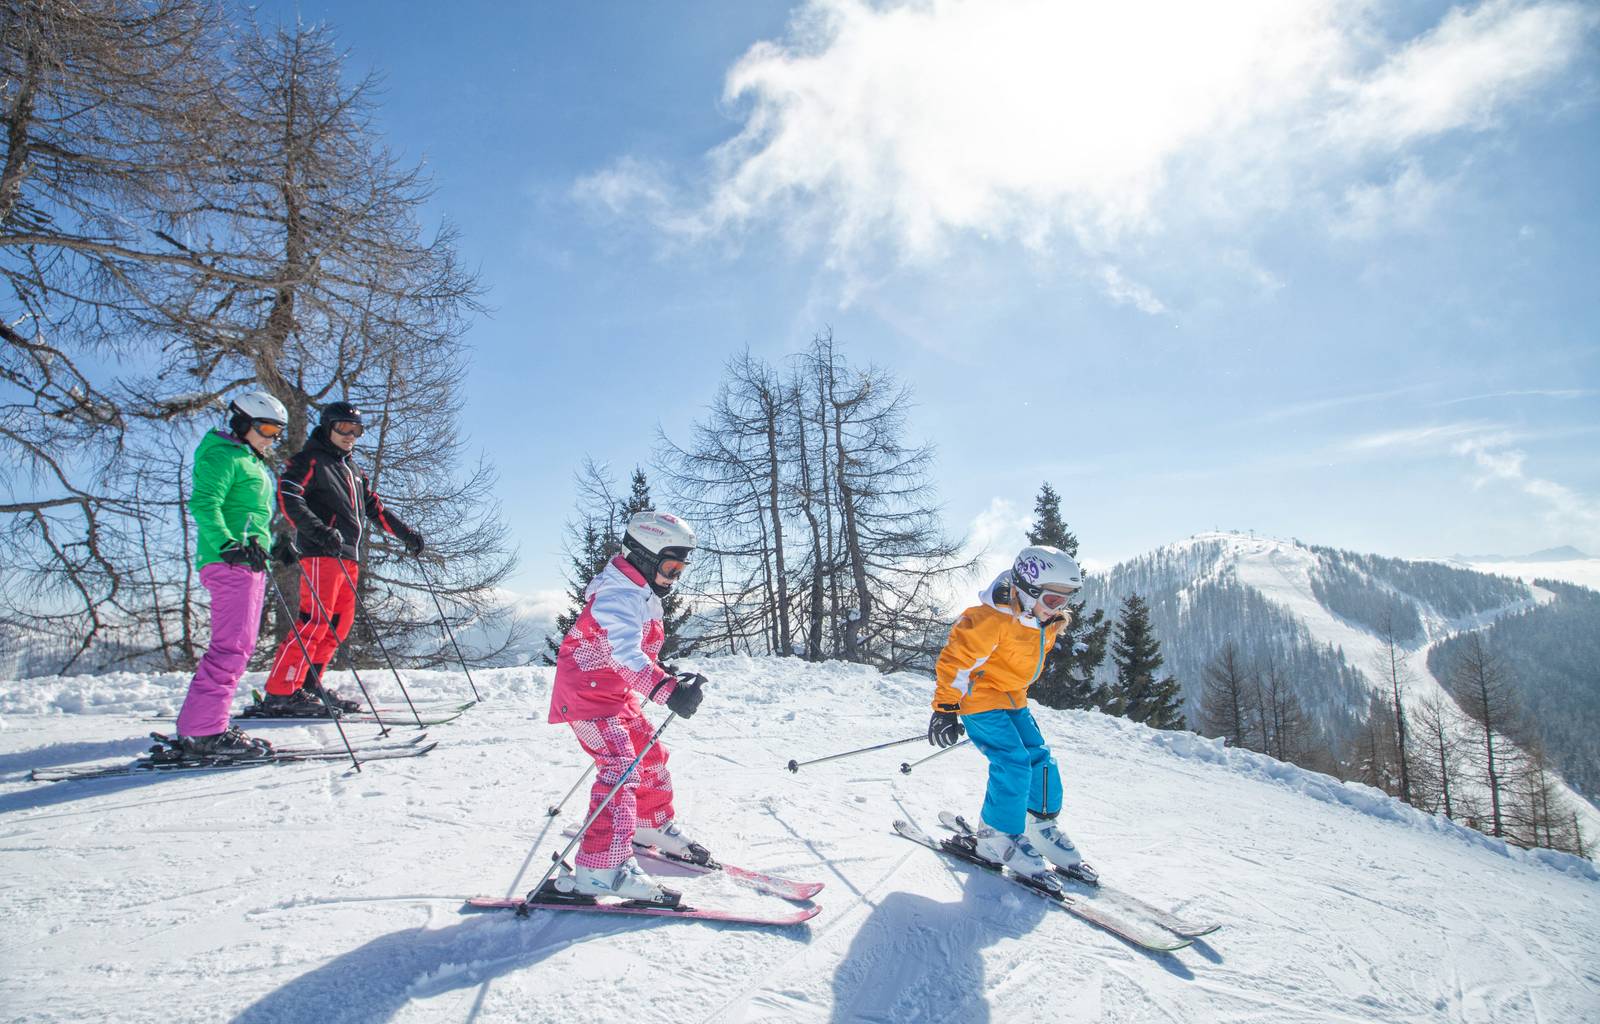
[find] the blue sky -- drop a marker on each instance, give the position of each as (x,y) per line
(1322,270)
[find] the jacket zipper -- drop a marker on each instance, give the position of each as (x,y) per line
(355,509)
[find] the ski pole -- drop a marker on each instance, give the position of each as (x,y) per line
(555,808)
(295,632)
(361,609)
(795,766)
(905,769)
(556,861)
(450,632)
(349,659)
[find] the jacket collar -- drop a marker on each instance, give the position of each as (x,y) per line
(240,442)
(320,443)
(622,565)
(997,595)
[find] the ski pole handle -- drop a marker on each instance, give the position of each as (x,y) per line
(795,766)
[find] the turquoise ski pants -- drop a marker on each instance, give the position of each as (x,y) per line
(1022,772)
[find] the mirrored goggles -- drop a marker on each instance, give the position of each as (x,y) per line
(671,568)
(1055,600)
(267,428)
(346,429)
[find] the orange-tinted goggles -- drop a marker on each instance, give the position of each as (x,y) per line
(671,568)
(267,428)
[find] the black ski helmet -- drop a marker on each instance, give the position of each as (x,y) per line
(340,412)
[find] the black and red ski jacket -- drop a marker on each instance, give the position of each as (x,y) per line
(329,501)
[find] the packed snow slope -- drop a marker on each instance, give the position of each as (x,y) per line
(308,893)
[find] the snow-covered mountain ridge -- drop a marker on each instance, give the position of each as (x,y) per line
(307,893)
(1318,612)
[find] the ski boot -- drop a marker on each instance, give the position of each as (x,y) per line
(628,881)
(231,743)
(298,704)
(313,686)
(321,695)
(1048,839)
(669,840)
(1008,851)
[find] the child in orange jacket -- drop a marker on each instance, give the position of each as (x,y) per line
(995,652)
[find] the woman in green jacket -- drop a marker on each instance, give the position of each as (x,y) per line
(232,509)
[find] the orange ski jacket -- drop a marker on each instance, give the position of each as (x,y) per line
(994,653)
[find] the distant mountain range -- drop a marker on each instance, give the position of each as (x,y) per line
(1565,553)
(1315,611)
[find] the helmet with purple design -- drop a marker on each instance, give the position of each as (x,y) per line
(1045,575)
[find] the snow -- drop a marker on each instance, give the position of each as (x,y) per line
(309,893)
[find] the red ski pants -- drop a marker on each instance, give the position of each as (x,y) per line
(322,634)
(646,796)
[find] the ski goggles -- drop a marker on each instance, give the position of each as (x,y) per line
(345,428)
(1054,600)
(671,568)
(267,428)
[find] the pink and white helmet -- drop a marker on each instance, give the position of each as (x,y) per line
(654,536)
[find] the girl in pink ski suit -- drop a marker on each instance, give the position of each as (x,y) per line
(607,661)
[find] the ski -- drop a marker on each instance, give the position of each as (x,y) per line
(773,885)
(430,715)
(147,765)
(338,748)
(480,903)
(1083,890)
(1155,939)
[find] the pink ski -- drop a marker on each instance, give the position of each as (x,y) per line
(783,888)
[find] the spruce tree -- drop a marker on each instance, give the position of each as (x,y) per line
(1137,693)
(1067,679)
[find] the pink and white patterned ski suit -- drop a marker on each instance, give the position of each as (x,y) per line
(607,659)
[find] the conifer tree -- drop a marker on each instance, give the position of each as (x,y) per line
(1067,679)
(1137,693)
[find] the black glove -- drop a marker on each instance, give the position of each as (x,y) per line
(257,553)
(249,555)
(413,543)
(945,728)
(685,698)
(283,550)
(328,539)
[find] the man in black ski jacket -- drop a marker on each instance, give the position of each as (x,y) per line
(330,504)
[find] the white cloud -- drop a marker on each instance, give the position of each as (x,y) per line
(884,132)
(994,537)
(1407,201)
(1130,293)
(1565,509)
(1463,73)
(1416,437)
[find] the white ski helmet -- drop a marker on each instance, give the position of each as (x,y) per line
(1040,568)
(653,536)
(256,406)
